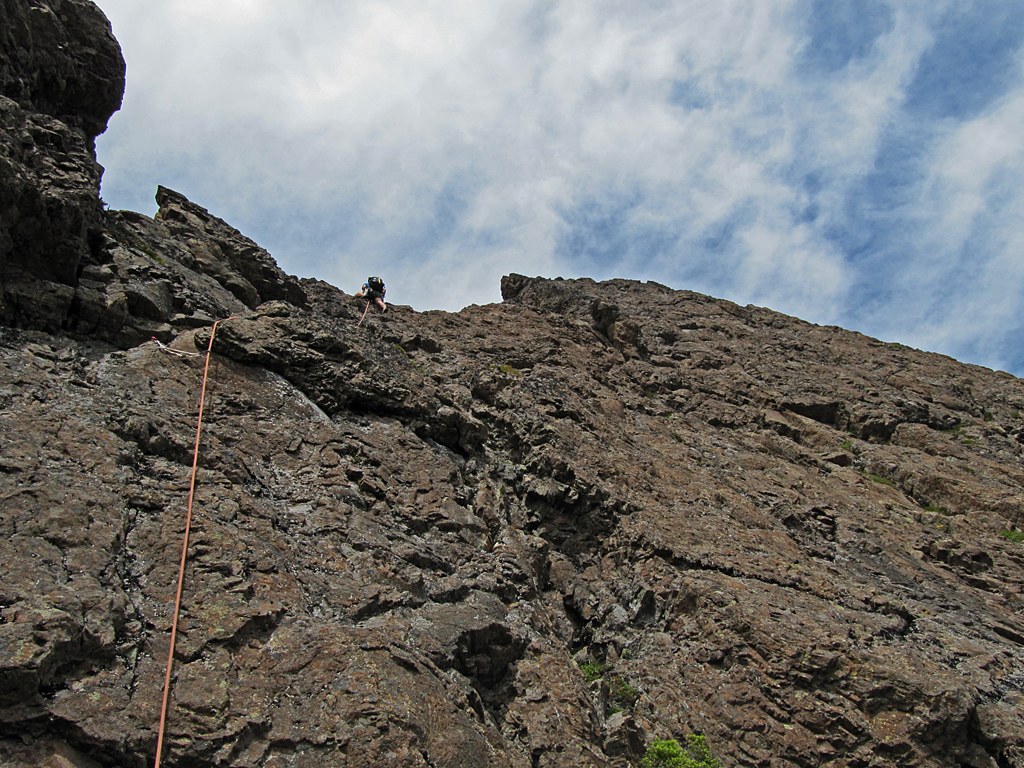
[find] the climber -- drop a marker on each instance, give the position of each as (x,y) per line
(373,290)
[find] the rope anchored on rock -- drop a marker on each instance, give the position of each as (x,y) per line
(184,544)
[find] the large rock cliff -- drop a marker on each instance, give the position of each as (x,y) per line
(61,77)
(545,532)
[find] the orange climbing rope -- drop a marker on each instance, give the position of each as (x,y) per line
(184,553)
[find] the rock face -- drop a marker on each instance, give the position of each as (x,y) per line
(61,77)
(540,533)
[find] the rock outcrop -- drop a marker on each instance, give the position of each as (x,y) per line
(545,532)
(61,77)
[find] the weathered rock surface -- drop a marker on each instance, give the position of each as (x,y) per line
(153,278)
(61,77)
(410,534)
(539,533)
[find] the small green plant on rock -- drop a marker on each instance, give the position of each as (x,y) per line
(1014,536)
(593,670)
(669,754)
(880,479)
(152,253)
(621,692)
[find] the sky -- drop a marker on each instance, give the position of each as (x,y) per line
(850,162)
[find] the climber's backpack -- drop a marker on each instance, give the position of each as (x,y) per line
(376,285)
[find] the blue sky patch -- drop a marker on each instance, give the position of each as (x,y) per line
(840,31)
(971,63)
(688,95)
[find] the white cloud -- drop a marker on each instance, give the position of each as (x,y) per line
(445,143)
(968,230)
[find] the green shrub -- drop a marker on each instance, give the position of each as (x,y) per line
(669,754)
(1015,536)
(593,670)
(621,692)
